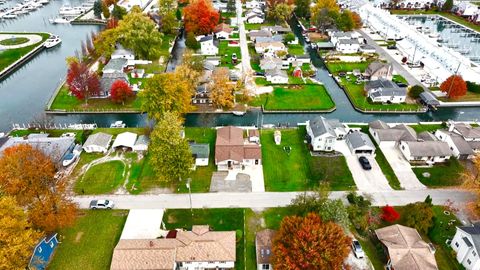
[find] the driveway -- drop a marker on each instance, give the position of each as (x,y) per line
(372,180)
(401,167)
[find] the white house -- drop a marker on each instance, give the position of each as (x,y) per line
(429,152)
(255,19)
(262,47)
(97,143)
(459,146)
(385,91)
(466,244)
(115,65)
(122,53)
(201,153)
(223,31)
(253,4)
(253,136)
(383,133)
(276,76)
(272,63)
(207,46)
(359,143)
(125,140)
(323,133)
(141,145)
(348,46)
(335,36)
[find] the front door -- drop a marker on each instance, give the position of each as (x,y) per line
(229,164)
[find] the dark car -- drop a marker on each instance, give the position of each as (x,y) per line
(260,73)
(365,163)
(400,84)
(392,47)
(342,74)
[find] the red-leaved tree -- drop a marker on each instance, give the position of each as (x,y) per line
(82,82)
(454,86)
(200,17)
(309,243)
(389,214)
(120,91)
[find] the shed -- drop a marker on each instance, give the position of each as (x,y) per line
(429,99)
(125,140)
(141,144)
(97,143)
(359,143)
(43,252)
(201,153)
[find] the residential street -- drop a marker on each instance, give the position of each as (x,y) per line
(269,199)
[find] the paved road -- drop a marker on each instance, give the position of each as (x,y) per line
(268,199)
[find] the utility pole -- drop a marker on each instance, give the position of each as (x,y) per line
(453,79)
(189,180)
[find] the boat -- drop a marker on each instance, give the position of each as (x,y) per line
(239,113)
(118,124)
(59,20)
(52,41)
(277,137)
(68,10)
(82,126)
(433,35)
(69,159)
(10,16)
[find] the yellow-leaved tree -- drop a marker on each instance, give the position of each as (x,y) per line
(222,90)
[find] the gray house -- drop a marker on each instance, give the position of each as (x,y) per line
(359,143)
(379,70)
(385,91)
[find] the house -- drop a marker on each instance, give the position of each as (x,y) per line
(107,81)
(429,152)
(262,47)
(323,133)
(223,31)
(378,70)
(383,133)
(335,36)
(122,53)
(385,91)
(297,72)
(254,12)
(201,153)
(255,19)
(272,63)
(429,99)
(207,46)
(115,65)
(304,59)
(406,249)
(253,135)
(141,144)
(466,244)
(263,249)
(202,95)
(125,140)
(469,133)
(197,249)
(232,152)
(253,4)
(367,49)
(359,143)
(276,76)
(260,33)
(43,252)
(97,143)
(347,46)
(277,29)
(459,146)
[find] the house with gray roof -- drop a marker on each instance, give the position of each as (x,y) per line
(382,133)
(323,133)
(429,99)
(379,70)
(466,244)
(115,65)
(359,143)
(260,33)
(201,153)
(276,76)
(141,145)
(347,45)
(429,152)
(263,247)
(385,91)
(97,143)
(272,63)
(459,146)
(107,81)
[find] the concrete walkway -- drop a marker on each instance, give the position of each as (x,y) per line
(32,39)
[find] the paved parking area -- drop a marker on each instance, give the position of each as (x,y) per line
(372,180)
(358,264)
(249,179)
(401,167)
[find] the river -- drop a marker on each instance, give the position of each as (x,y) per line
(26,91)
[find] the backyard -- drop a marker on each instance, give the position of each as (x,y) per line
(296,49)
(441,175)
(226,53)
(101,178)
(8,57)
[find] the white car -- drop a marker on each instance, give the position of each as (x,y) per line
(101,204)
(357,249)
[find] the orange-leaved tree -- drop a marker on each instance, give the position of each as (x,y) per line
(28,175)
(309,243)
(200,17)
(120,91)
(454,86)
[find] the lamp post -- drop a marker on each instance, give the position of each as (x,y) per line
(189,180)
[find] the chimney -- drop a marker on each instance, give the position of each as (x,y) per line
(451,125)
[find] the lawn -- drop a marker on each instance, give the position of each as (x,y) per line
(296,97)
(257,26)
(469,96)
(336,67)
(218,219)
(8,57)
(101,178)
(427,127)
(226,52)
(14,41)
(65,101)
(90,242)
(80,135)
(298,170)
(447,174)
(296,49)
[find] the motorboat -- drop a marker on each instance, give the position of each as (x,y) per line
(118,124)
(52,41)
(68,10)
(239,113)
(82,126)
(59,20)
(43,2)
(10,16)
(277,137)
(69,159)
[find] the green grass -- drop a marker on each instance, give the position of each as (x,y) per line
(447,174)
(399,78)
(14,41)
(257,26)
(226,52)
(8,57)
(298,170)
(101,178)
(261,81)
(427,127)
(336,67)
(296,97)
(90,242)
(469,96)
(218,219)
(67,102)
(372,249)
(296,49)
(79,134)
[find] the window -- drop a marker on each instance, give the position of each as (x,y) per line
(51,245)
(474,253)
(469,262)
(456,244)
(442,156)
(265,267)
(40,249)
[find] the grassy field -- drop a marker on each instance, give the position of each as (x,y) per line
(14,41)
(67,102)
(102,178)
(296,49)
(336,67)
(226,52)
(90,242)
(469,96)
(218,219)
(257,26)
(296,97)
(447,174)
(427,127)
(8,57)
(299,170)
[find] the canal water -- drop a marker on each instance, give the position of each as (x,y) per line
(25,92)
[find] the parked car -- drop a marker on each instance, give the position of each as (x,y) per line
(260,73)
(392,47)
(101,204)
(357,249)
(342,74)
(365,163)
(400,84)
(234,58)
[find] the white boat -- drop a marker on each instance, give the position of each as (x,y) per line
(434,35)
(277,136)
(239,113)
(82,126)
(43,2)
(10,16)
(52,42)
(68,10)
(59,20)
(118,124)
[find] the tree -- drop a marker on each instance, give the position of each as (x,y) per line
(362,216)
(166,92)
(328,5)
(231,6)
(200,17)
(345,21)
(118,12)
(97,8)
(302,8)
(120,91)
(280,12)
(106,41)
(454,86)
(447,6)
(166,6)
(415,91)
(325,18)
(428,200)
(289,37)
(309,243)
(273,3)
(389,214)
(170,154)
(222,89)
(191,42)
(471,182)
(105,11)
(29,176)
(190,69)
(178,14)
(357,20)
(169,22)
(17,237)
(82,82)
(420,216)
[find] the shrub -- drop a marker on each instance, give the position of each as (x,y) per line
(473,87)
(191,42)
(389,214)
(415,91)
